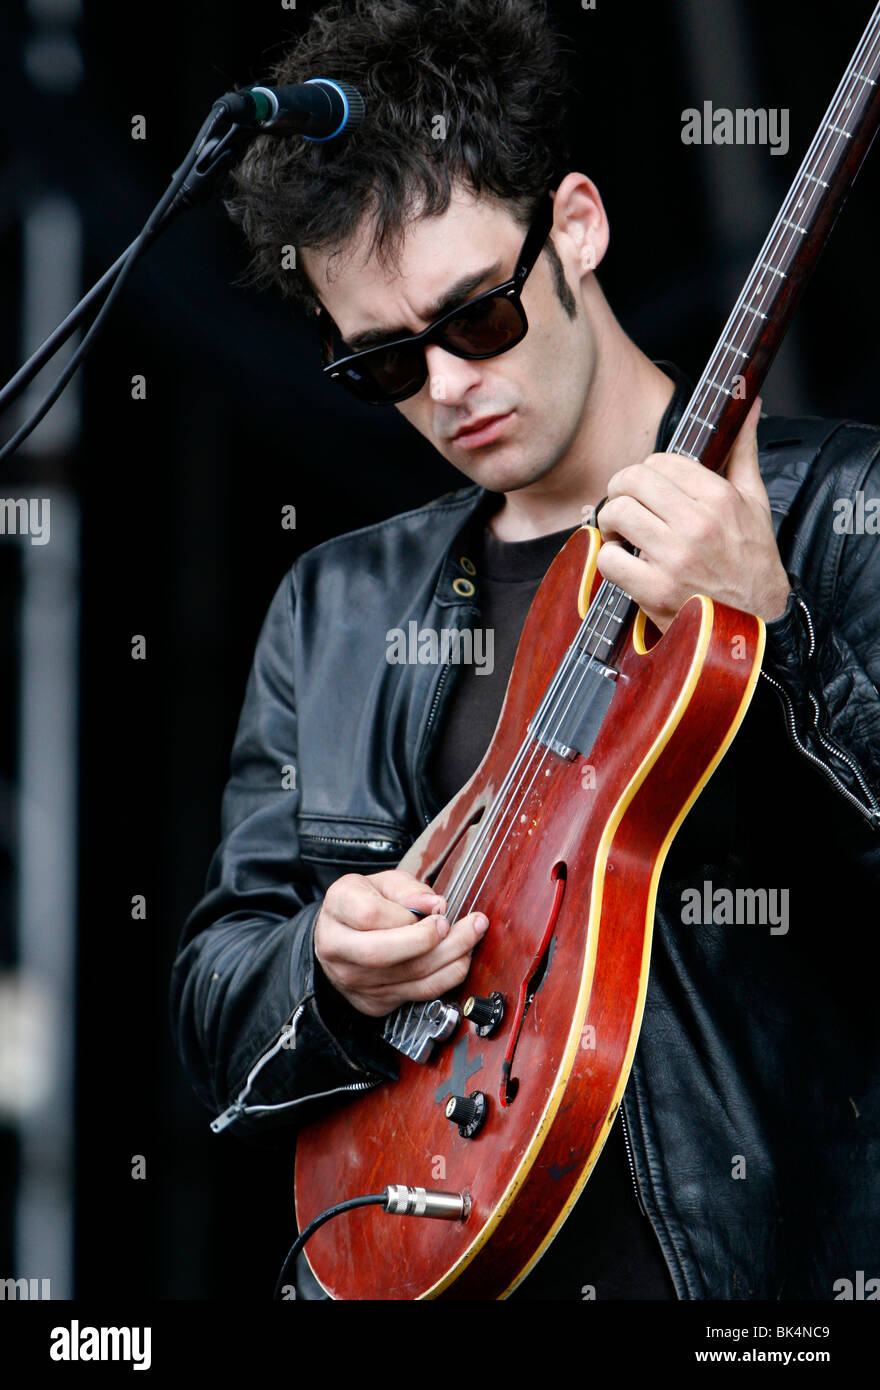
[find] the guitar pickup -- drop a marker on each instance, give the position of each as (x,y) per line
(575,729)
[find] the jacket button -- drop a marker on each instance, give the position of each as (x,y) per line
(464,588)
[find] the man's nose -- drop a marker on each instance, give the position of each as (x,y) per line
(450,377)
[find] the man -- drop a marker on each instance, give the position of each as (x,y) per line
(742,1166)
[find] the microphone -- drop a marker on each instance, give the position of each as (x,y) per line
(320,109)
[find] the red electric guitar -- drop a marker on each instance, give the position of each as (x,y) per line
(507,1093)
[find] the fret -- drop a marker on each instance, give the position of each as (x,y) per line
(718,386)
(757,312)
(860,77)
(797,228)
(734,349)
(839,131)
(701,421)
(608,614)
(606,617)
(813,178)
(774,269)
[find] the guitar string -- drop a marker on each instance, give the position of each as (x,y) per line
(576,649)
(545,711)
(537,744)
(545,750)
(488,827)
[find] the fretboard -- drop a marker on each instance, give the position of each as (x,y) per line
(761,315)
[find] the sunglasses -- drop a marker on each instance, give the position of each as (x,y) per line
(486,326)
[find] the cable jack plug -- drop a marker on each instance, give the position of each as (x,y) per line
(418,1201)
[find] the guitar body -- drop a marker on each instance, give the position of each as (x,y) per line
(569,891)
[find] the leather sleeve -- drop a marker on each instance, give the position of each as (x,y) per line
(823,653)
(246,968)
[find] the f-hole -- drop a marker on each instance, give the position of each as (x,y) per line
(531,984)
(431,877)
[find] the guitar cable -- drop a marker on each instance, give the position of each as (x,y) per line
(397,1200)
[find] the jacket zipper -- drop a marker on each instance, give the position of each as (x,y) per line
(287,1039)
(384,845)
(680,1287)
(431,717)
(872,812)
(632,1166)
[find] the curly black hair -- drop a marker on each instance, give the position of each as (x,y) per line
(456,91)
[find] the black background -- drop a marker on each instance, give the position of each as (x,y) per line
(182,497)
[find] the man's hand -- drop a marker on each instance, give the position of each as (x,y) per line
(696,532)
(373,952)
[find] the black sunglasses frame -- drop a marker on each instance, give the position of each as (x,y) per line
(345,372)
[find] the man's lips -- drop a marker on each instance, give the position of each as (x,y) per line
(483,431)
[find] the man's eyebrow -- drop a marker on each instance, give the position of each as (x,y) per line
(456,295)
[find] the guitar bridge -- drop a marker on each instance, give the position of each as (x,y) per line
(413,1029)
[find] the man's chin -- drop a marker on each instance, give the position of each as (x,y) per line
(498,470)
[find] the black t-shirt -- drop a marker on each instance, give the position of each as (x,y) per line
(606,1243)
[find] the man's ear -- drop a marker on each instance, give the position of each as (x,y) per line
(580,225)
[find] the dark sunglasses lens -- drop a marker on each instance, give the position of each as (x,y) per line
(490,326)
(388,374)
(398,371)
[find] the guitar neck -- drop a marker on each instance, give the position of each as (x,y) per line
(750,338)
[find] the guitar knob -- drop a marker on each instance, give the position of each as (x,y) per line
(468,1112)
(484,1014)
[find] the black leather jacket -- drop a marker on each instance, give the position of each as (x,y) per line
(753,1109)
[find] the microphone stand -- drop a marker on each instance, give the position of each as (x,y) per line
(218,143)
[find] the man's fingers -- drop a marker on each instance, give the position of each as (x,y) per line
(644,581)
(376,955)
(662,495)
(362,903)
(400,886)
(405,946)
(432,986)
(626,518)
(461,941)
(376,1002)
(378,948)
(743,470)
